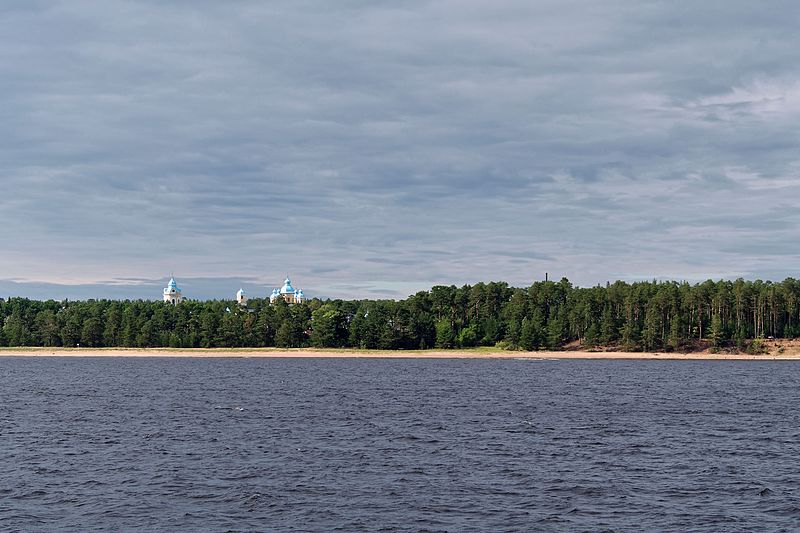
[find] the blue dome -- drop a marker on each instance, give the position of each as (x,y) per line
(287,286)
(172,285)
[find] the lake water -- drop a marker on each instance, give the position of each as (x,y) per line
(398,445)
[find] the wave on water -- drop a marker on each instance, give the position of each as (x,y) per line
(227,408)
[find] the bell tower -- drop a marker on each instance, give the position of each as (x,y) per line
(241,297)
(172,294)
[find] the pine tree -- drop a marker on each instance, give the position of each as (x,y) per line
(444,334)
(529,338)
(591,337)
(652,328)
(676,333)
(608,330)
(717,331)
(556,328)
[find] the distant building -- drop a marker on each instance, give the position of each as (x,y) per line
(172,294)
(289,294)
(241,297)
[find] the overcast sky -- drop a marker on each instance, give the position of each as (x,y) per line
(373,149)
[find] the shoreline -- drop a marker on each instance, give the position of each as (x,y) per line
(305,353)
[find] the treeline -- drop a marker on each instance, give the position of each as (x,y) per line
(647,315)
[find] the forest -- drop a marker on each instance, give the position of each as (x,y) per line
(651,315)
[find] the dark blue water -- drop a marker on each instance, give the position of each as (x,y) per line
(398,445)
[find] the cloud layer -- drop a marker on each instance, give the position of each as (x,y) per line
(375,148)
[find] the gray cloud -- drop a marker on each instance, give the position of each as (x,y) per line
(389,146)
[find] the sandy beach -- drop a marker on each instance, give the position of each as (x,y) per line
(382,354)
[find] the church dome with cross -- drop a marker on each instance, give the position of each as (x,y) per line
(289,294)
(172,293)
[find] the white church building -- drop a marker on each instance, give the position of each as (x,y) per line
(241,297)
(172,294)
(289,294)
